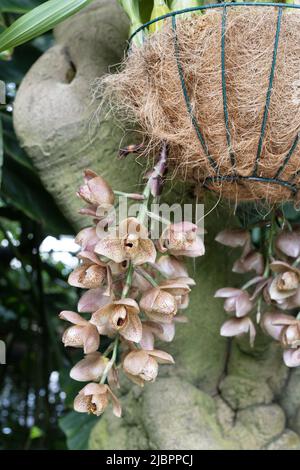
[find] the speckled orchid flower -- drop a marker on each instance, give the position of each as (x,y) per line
(89,368)
(131,242)
(82,334)
(142,366)
(181,239)
(95,190)
(283,328)
(91,273)
(120,316)
(158,305)
(286,282)
(94,399)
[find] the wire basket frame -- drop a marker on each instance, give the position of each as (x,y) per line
(235,177)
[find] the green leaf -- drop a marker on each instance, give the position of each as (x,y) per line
(38,21)
(35,432)
(77,427)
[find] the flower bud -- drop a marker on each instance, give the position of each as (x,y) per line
(96,190)
(158,305)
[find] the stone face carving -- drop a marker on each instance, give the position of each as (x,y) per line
(54,115)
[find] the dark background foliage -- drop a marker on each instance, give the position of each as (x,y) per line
(32,285)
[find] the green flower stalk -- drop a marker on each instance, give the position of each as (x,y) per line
(131,7)
(160,8)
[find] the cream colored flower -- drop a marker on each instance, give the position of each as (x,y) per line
(172,267)
(291,357)
(238,327)
(286,283)
(92,273)
(96,191)
(180,290)
(162,331)
(234,238)
(288,242)
(142,366)
(94,398)
(90,368)
(159,305)
(131,242)
(237,300)
(290,303)
(283,328)
(253,261)
(181,239)
(120,316)
(93,299)
(82,334)
(87,238)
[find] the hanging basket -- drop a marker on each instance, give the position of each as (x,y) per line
(221,85)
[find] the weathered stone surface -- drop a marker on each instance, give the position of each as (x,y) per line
(54,114)
(290,400)
(194,424)
(240,392)
(288,440)
(257,425)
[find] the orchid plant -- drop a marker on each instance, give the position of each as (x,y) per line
(273,290)
(135,288)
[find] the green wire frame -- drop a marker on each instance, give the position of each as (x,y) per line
(235,177)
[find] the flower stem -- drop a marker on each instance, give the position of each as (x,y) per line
(111,362)
(135,196)
(251,282)
(144,205)
(158,218)
(146,276)
(128,281)
(114,346)
(269,250)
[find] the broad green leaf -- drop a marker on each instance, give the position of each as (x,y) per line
(38,21)
(146,7)
(77,428)
(159,8)
(131,8)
